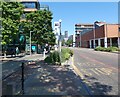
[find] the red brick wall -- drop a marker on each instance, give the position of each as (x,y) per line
(100,32)
(86,37)
(112,31)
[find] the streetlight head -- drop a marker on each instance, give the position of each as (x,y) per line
(60,20)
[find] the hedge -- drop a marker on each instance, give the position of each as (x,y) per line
(109,49)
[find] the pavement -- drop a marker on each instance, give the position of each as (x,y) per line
(86,73)
(43,79)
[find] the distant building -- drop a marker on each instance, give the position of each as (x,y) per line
(66,34)
(44,7)
(81,29)
(70,37)
(99,34)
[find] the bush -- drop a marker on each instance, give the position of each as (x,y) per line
(109,49)
(99,48)
(54,57)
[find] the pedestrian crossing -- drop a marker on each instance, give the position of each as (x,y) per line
(97,71)
(86,64)
(92,68)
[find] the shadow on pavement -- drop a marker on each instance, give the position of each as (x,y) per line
(97,88)
(41,79)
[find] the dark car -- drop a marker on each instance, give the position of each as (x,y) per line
(11,51)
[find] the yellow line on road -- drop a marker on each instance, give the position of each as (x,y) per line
(76,69)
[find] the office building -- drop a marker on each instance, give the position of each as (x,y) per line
(66,34)
(30,6)
(44,7)
(81,29)
(102,34)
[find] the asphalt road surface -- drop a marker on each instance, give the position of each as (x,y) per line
(98,70)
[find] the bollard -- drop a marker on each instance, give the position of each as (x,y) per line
(44,53)
(22,79)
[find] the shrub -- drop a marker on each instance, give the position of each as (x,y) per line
(109,49)
(99,48)
(54,57)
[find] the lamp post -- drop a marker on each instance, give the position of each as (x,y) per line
(30,41)
(60,39)
(60,35)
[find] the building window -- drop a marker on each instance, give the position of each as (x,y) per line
(29,4)
(119,29)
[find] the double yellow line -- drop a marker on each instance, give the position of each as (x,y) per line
(76,69)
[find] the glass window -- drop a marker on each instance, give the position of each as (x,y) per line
(29,4)
(119,29)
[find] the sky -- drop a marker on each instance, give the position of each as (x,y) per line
(72,13)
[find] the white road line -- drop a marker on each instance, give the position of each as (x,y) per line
(97,69)
(94,71)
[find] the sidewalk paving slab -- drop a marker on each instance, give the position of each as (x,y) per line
(41,79)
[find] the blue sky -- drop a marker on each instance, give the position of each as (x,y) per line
(82,12)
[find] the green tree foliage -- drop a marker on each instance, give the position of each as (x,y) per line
(63,42)
(40,23)
(11,13)
(69,42)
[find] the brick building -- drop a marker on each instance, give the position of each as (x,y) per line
(101,34)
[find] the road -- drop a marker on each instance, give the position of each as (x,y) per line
(98,70)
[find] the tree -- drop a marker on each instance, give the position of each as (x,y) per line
(11,13)
(40,23)
(69,42)
(63,42)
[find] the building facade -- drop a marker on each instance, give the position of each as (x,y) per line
(81,29)
(30,6)
(102,34)
(44,7)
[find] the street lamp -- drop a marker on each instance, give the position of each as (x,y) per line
(30,42)
(60,38)
(60,34)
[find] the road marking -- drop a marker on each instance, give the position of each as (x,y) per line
(106,70)
(76,69)
(86,73)
(86,64)
(99,62)
(100,71)
(94,71)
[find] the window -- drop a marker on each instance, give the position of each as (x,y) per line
(119,29)
(29,4)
